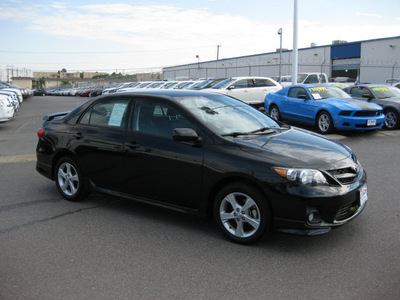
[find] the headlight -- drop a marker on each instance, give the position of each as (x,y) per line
(302,176)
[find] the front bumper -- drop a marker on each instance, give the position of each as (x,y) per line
(358,123)
(318,215)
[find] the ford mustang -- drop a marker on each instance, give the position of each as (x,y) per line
(388,97)
(327,107)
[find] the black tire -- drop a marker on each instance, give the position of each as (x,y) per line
(242,213)
(274,113)
(324,122)
(392,119)
(69,180)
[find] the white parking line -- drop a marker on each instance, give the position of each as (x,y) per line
(17,158)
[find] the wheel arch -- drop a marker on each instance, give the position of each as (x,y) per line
(391,107)
(229,180)
(324,109)
(60,154)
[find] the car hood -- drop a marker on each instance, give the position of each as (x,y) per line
(394,101)
(298,148)
(353,104)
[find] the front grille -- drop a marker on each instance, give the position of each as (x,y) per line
(345,175)
(365,125)
(367,113)
(347,211)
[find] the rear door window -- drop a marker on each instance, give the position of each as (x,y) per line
(109,113)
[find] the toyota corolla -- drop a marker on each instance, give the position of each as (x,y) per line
(205,154)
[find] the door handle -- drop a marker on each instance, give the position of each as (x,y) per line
(132,145)
(78,136)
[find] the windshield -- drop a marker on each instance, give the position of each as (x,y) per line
(225,115)
(383,92)
(223,83)
(201,84)
(325,92)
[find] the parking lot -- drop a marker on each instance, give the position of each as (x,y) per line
(111,248)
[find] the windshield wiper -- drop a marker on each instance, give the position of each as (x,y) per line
(263,130)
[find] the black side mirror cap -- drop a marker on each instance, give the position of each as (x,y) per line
(185,135)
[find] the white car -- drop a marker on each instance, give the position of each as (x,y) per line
(6,108)
(17,91)
(251,90)
(13,98)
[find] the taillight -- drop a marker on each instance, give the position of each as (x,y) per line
(40,133)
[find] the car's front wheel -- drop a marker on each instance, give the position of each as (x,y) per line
(274,113)
(242,213)
(392,119)
(324,122)
(69,180)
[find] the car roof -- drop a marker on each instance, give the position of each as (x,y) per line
(373,84)
(165,93)
(307,85)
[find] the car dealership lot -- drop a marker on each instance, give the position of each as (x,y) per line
(107,247)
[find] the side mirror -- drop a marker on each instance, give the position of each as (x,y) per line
(366,95)
(185,135)
(304,97)
(232,87)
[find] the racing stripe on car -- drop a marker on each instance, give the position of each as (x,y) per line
(362,104)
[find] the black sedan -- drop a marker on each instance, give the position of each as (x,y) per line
(205,154)
(385,95)
(39,92)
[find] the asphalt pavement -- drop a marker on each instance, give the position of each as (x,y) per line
(111,248)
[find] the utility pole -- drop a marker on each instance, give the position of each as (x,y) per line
(280,54)
(218,51)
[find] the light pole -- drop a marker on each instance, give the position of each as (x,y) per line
(280,54)
(218,51)
(295,54)
(198,66)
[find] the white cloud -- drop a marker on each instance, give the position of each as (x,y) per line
(369,15)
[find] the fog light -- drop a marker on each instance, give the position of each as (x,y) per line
(313,216)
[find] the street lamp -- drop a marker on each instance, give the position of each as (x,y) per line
(280,54)
(198,62)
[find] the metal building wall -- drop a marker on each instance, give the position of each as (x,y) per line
(377,61)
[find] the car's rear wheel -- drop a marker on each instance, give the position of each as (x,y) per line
(242,213)
(274,113)
(324,122)
(392,119)
(69,180)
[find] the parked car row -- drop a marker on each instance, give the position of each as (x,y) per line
(328,106)
(250,90)
(11,98)
(359,107)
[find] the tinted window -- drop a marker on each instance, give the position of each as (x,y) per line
(240,84)
(155,117)
(106,113)
(296,92)
(356,92)
(312,79)
(263,82)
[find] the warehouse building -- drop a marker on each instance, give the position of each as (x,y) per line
(374,61)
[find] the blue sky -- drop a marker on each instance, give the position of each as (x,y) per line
(142,36)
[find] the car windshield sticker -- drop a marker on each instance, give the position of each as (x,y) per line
(315,91)
(381,89)
(117,114)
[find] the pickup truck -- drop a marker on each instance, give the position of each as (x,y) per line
(305,78)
